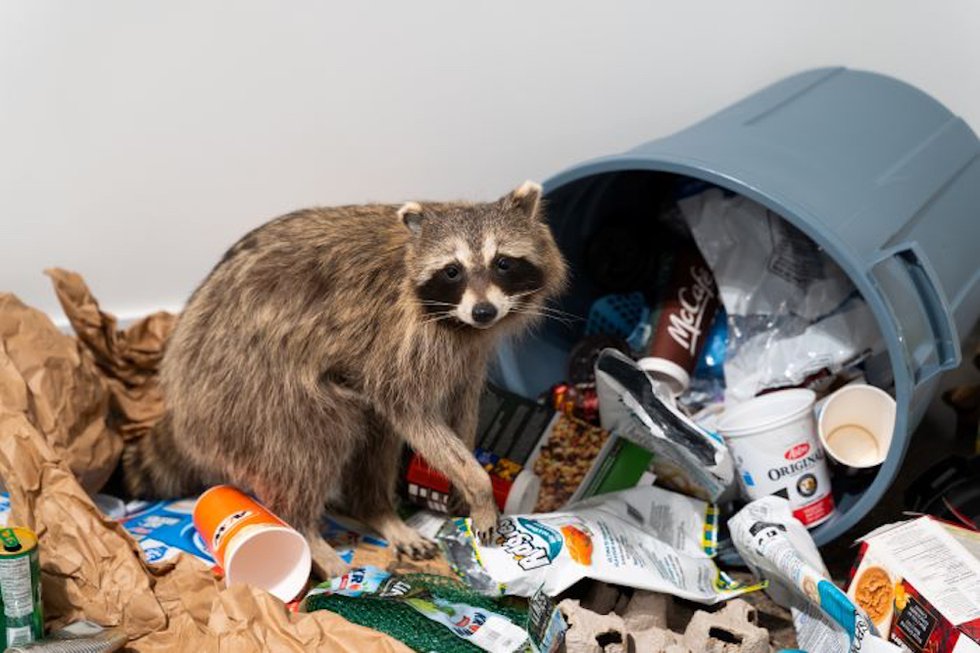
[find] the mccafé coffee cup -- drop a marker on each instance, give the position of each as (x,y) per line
(681,322)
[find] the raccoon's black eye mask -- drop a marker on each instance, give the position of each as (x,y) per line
(515,275)
(444,289)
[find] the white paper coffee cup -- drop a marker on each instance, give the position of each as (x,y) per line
(856,426)
(773,439)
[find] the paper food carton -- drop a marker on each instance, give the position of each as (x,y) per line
(919,582)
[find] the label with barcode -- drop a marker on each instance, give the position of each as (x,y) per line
(795,258)
(498,635)
(15,587)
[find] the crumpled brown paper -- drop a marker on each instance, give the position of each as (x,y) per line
(45,375)
(129,359)
(91,568)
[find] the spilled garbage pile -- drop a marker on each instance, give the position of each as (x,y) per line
(717,397)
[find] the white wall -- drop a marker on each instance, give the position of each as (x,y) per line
(139,139)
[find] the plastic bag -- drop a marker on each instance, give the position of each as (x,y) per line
(646,537)
(793,312)
(762,264)
(784,351)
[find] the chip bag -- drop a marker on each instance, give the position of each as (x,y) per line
(645,537)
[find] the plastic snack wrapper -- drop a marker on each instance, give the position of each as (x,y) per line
(645,537)
(459,616)
(686,458)
(779,549)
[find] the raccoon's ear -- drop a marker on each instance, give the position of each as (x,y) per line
(526,199)
(411,215)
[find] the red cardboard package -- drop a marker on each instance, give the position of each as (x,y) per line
(919,582)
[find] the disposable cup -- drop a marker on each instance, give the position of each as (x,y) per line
(251,544)
(773,440)
(856,426)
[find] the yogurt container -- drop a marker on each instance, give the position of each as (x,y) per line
(773,439)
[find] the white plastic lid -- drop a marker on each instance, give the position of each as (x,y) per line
(673,375)
(523,495)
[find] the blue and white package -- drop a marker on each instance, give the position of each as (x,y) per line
(4,508)
(164,529)
(345,537)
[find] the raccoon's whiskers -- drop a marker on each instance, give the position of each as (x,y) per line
(548,311)
(432,302)
(540,311)
(526,293)
(560,313)
(436,317)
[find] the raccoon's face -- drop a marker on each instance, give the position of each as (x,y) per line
(483,264)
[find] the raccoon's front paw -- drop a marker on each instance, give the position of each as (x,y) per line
(456,505)
(485,522)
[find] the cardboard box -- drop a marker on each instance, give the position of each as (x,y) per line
(919,582)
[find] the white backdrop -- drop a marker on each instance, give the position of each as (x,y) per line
(139,139)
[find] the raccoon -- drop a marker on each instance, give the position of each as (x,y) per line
(327,338)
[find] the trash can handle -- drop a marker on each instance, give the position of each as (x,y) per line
(907,283)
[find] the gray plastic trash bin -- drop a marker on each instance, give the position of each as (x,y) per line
(878,173)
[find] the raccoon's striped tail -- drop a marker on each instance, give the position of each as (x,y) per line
(153,468)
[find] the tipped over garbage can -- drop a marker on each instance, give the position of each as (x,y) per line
(879,175)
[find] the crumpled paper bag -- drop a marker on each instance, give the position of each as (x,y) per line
(129,359)
(55,383)
(91,568)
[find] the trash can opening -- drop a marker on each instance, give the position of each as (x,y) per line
(723,300)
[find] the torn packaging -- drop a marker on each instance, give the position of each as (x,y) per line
(91,568)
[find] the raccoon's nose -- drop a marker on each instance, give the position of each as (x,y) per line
(484,312)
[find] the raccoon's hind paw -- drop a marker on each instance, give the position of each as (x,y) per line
(326,563)
(403,538)
(420,548)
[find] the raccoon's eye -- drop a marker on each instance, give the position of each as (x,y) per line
(452,272)
(503,264)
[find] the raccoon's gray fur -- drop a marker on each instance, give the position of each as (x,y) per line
(326,338)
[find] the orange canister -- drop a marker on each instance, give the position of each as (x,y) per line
(251,544)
